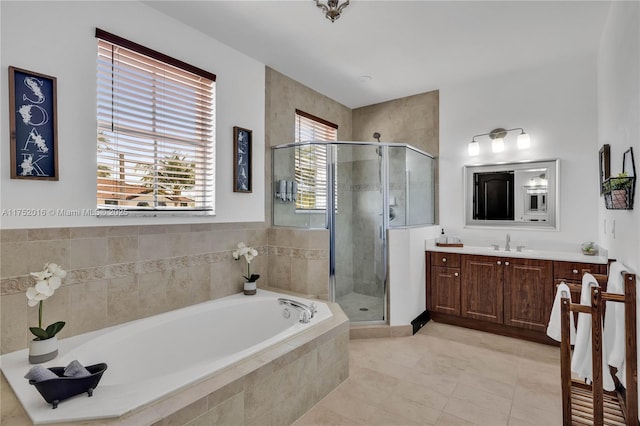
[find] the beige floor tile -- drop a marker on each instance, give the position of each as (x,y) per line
(382,417)
(472,412)
(410,409)
(478,395)
(445,375)
(420,394)
(447,419)
(484,384)
(323,416)
(347,404)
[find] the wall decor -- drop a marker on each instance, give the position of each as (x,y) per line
(33,125)
(605,165)
(241,159)
(619,190)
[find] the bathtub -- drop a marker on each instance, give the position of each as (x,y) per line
(156,356)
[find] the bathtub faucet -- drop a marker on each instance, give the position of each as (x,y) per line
(306,312)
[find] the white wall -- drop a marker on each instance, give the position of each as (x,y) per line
(407,272)
(556,104)
(57,39)
(619,122)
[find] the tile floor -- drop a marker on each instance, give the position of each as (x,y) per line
(353,303)
(445,375)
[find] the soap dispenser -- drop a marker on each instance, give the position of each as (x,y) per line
(443,237)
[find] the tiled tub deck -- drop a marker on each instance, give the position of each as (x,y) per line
(274,386)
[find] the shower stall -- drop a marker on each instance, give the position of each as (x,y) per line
(358,191)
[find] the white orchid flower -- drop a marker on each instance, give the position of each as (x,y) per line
(42,275)
(242,250)
(35,296)
(56,270)
(54,283)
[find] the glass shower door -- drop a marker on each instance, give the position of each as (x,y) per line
(359,256)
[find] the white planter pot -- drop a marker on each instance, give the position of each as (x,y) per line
(250,288)
(43,350)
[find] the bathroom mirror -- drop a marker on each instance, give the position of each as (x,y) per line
(516,195)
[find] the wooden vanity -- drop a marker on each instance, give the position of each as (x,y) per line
(500,293)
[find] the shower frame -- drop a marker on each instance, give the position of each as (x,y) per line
(330,222)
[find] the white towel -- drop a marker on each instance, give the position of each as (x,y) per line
(613,334)
(553,329)
(581,362)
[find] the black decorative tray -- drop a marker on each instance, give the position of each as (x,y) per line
(55,390)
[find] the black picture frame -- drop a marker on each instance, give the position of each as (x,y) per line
(242,145)
(33,125)
(604,165)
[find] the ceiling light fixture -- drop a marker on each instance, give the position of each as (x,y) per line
(497,140)
(332,9)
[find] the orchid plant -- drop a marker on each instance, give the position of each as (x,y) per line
(47,282)
(249,253)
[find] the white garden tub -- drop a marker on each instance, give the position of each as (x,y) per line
(155,356)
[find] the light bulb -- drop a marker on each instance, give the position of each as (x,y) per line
(474,148)
(497,145)
(524,141)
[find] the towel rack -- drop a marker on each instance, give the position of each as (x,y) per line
(584,404)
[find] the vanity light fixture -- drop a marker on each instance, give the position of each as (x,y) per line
(497,140)
(332,9)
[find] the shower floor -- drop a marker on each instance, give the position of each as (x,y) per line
(353,304)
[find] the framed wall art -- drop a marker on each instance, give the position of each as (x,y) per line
(33,125)
(605,165)
(241,159)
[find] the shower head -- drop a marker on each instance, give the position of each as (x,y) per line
(376,135)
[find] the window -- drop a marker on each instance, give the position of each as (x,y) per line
(311,160)
(156,130)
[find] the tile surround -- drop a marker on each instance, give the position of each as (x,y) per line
(119,274)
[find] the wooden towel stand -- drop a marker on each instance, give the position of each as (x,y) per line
(584,404)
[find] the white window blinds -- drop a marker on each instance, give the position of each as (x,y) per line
(156,130)
(311,160)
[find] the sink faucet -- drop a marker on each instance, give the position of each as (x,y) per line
(507,247)
(306,312)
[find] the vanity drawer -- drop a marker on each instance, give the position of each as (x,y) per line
(450,260)
(574,270)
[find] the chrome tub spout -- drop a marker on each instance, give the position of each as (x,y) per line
(306,311)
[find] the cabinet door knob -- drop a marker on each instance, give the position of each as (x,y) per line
(444,259)
(499,263)
(455,274)
(575,271)
(506,263)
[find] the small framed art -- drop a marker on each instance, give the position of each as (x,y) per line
(33,125)
(241,159)
(605,165)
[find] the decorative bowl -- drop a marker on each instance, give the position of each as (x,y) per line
(55,390)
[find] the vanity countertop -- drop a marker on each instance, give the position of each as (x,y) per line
(565,256)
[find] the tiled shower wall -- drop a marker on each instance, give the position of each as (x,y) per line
(119,274)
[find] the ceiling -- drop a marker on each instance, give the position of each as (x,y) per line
(406,47)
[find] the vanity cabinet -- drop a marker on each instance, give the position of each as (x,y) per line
(528,293)
(482,288)
(444,293)
(510,291)
(571,273)
(503,295)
